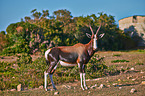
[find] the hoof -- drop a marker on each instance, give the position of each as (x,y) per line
(86,88)
(46,89)
(54,88)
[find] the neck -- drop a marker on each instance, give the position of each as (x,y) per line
(89,47)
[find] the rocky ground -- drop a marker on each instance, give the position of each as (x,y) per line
(130,82)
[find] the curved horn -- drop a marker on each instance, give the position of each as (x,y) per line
(98,29)
(91,30)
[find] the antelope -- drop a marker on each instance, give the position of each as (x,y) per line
(78,54)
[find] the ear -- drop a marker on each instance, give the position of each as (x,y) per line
(101,35)
(88,35)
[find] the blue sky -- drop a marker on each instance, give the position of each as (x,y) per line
(11,11)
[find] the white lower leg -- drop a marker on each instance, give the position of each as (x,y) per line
(81,81)
(45,80)
(51,78)
(84,81)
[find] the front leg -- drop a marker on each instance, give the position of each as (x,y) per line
(82,76)
(84,81)
(81,81)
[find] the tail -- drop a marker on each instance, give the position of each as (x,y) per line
(46,55)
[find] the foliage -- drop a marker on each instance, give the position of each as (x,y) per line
(4,40)
(95,67)
(24,58)
(30,73)
(117,61)
(118,55)
(42,31)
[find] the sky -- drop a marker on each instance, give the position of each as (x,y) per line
(11,11)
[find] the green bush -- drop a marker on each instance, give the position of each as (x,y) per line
(24,58)
(95,67)
(31,74)
(117,61)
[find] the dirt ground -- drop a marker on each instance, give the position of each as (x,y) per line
(133,78)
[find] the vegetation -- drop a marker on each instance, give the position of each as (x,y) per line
(122,81)
(117,61)
(42,31)
(30,73)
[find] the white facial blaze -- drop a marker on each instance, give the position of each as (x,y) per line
(95,42)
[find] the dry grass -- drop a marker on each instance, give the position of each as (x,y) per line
(126,81)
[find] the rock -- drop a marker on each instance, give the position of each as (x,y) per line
(41,87)
(101,86)
(143,83)
(120,87)
(19,87)
(132,90)
(93,86)
(132,68)
(56,93)
(129,77)
(141,72)
(119,79)
(67,86)
(13,90)
(114,84)
(108,85)
(143,77)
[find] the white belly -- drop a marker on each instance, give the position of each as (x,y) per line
(66,64)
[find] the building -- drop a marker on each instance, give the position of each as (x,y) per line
(134,25)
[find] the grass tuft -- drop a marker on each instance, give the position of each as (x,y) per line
(117,61)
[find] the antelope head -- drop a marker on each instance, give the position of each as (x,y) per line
(95,37)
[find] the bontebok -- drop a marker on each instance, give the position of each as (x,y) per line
(78,54)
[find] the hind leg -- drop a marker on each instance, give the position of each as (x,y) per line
(50,71)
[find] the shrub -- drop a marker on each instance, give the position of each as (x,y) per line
(24,58)
(95,67)
(31,74)
(118,55)
(112,70)
(117,61)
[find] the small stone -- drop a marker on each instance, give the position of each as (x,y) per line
(108,85)
(114,84)
(132,68)
(119,79)
(143,83)
(13,90)
(93,86)
(133,79)
(101,86)
(41,87)
(89,92)
(120,87)
(141,72)
(143,77)
(129,77)
(19,87)
(132,90)
(67,86)
(56,93)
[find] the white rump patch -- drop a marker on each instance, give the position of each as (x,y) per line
(67,64)
(46,53)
